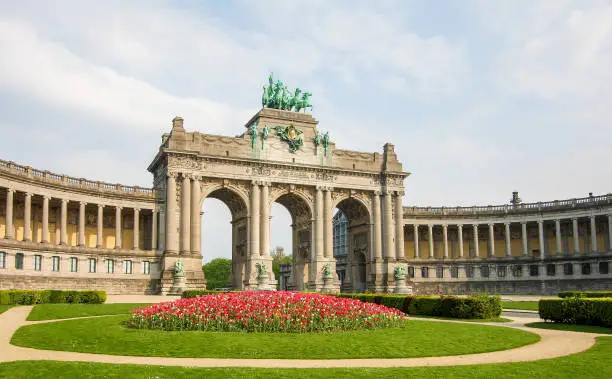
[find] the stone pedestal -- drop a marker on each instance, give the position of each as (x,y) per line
(178,286)
(401,287)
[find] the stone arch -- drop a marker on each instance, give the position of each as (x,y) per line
(231,195)
(359,198)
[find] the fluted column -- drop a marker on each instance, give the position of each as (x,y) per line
(154,230)
(64,222)
(196,218)
(329,225)
(460,236)
(82,205)
(593,235)
(58,225)
(255,219)
(541,238)
(524,238)
(445,239)
(576,235)
(136,235)
(399,227)
(45,220)
(27,217)
(265,220)
(558,236)
(388,226)
(100,226)
(171,244)
(417,253)
(8,234)
(118,242)
(475,236)
(508,240)
(610,233)
(491,241)
(185,215)
(377,215)
(431,240)
(319,244)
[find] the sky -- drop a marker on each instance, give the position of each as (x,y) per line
(480,98)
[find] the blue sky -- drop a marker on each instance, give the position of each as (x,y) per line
(480,98)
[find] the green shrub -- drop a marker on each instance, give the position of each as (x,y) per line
(196,293)
(589,294)
(577,310)
(29,297)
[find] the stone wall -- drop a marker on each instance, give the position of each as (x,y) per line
(112,286)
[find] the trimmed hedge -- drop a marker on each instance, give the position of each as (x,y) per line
(29,297)
(577,310)
(196,293)
(588,294)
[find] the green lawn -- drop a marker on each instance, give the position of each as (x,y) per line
(417,339)
(3,308)
(523,305)
(59,311)
(592,364)
(498,319)
(571,327)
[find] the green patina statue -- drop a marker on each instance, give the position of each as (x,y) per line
(264,135)
(253,134)
(179,270)
(290,134)
(262,272)
(327,271)
(276,95)
(399,272)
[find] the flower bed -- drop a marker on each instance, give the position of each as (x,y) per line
(289,312)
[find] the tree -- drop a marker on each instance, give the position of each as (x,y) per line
(278,258)
(217,273)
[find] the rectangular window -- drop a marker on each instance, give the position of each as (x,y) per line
(550,269)
(517,271)
(534,270)
(55,264)
(110,266)
(469,271)
(604,267)
(37,262)
(425,272)
(411,271)
(2,259)
(440,272)
(92,264)
(146,267)
(19,261)
(586,269)
(484,271)
(454,272)
(74,264)
(501,271)
(568,269)
(127,267)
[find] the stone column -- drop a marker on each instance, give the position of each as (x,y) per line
(460,236)
(445,240)
(541,238)
(610,233)
(64,222)
(196,218)
(329,225)
(58,228)
(185,215)
(45,220)
(319,223)
(388,226)
(576,236)
(136,235)
(377,215)
(491,242)
(27,217)
(593,235)
(265,220)
(524,238)
(417,253)
(100,226)
(8,234)
(154,230)
(508,240)
(431,240)
(255,219)
(475,236)
(82,205)
(171,224)
(399,227)
(118,225)
(558,236)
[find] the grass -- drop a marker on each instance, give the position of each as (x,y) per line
(4,308)
(497,319)
(593,363)
(59,311)
(107,335)
(522,305)
(571,327)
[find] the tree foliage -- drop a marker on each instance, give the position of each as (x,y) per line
(217,273)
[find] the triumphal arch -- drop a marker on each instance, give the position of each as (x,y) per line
(281,156)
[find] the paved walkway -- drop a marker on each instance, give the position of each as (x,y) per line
(553,344)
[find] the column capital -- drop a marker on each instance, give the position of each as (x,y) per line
(10,190)
(377,192)
(540,222)
(82,203)
(460,226)
(255,183)
(28,194)
(100,206)
(64,201)
(118,207)
(400,193)
(46,197)
(136,209)
(171,175)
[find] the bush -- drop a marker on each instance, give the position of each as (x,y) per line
(197,293)
(577,310)
(589,294)
(29,297)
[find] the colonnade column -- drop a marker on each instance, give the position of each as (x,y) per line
(417,253)
(100,226)
(558,236)
(445,238)
(255,219)
(45,220)
(8,234)
(118,243)
(58,223)
(265,220)
(491,242)
(82,205)
(171,226)
(319,223)
(593,235)
(475,236)
(460,236)
(431,241)
(524,239)
(576,236)
(609,232)
(388,226)
(27,217)
(541,237)
(508,240)
(185,214)
(196,218)
(377,215)
(64,221)
(136,244)
(399,226)
(329,225)
(154,230)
